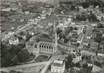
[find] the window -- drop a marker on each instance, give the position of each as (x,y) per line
(35,45)
(44,46)
(47,47)
(40,45)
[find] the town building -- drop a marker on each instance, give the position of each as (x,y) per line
(13,41)
(93,45)
(58,66)
(47,47)
(86,41)
(41,47)
(80,38)
(79,27)
(6,9)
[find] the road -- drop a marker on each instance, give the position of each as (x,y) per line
(23,66)
(46,67)
(49,62)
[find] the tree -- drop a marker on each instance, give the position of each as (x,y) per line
(83,70)
(89,69)
(66,39)
(92,17)
(58,30)
(3,72)
(6,60)
(23,55)
(68,62)
(62,35)
(8,54)
(13,71)
(85,4)
(100,25)
(67,30)
(72,7)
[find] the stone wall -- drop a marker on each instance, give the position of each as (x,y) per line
(45,1)
(55,2)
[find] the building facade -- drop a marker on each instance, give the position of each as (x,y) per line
(41,47)
(58,66)
(13,41)
(55,2)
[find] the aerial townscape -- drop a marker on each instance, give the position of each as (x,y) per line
(51,36)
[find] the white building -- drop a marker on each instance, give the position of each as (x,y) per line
(41,47)
(47,47)
(80,38)
(58,66)
(6,9)
(13,41)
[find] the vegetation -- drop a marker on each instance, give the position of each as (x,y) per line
(68,62)
(13,55)
(12,71)
(41,58)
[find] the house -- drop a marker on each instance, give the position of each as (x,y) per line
(58,66)
(77,59)
(102,45)
(6,9)
(79,40)
(89,33)
(13,41)
(93,45)
(80,29)
(94,24)
(85,41)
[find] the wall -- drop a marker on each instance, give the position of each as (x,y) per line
(54,1)
(45,1)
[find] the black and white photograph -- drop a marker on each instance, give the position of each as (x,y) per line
(51,36)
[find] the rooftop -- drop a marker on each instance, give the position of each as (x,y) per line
(58,63)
